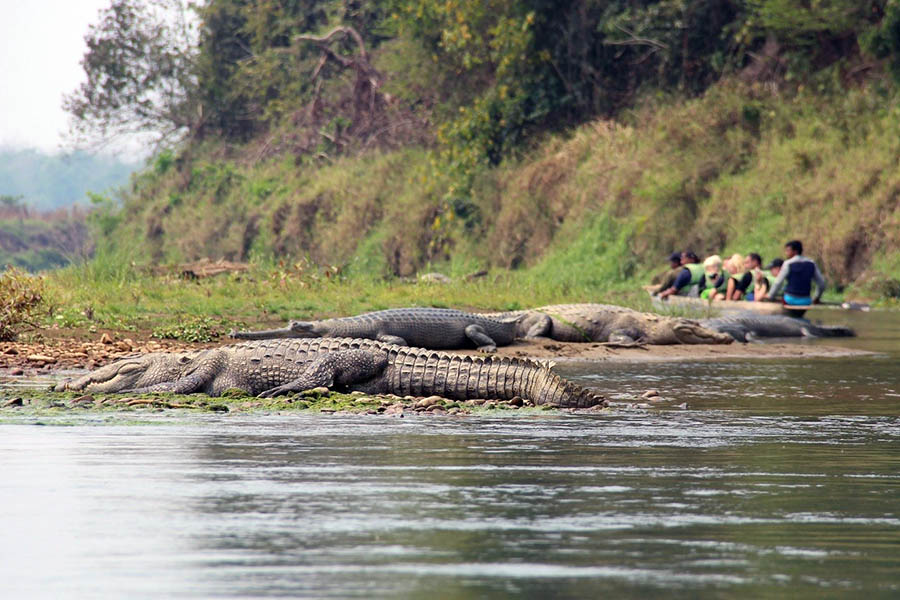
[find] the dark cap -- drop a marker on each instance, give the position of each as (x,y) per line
(675,257)
(776,262)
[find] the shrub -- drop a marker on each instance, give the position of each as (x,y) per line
(21,296)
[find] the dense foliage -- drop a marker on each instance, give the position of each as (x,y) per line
(674,121)
(21,296)
(500,70)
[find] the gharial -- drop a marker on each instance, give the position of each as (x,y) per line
(746,328)
(610,324)
(270,368)
(435,328)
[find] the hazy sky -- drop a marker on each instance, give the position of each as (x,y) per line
(43,42)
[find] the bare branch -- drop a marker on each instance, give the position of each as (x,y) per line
(635,40)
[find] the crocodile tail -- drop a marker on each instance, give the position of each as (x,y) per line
(419,372)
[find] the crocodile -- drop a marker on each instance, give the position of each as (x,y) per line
(607,323)
(273,367)
(434,328)
(746,328)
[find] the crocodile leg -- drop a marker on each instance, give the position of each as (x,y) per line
(482,340)
(391,339)
(539,325)
(340,368)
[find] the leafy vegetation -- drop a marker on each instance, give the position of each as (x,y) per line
(576,143)
(198,329)
(21,296)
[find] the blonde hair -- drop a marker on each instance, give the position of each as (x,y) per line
(735,264)
(712,262)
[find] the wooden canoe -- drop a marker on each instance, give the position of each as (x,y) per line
(701,305)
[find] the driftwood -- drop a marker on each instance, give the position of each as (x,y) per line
(201,269)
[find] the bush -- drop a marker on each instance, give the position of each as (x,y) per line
(21,296)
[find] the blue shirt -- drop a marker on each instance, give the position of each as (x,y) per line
(799,272)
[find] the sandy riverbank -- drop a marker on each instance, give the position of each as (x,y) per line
(67,353)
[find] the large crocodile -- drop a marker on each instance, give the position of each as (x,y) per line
(745,328)
(435,328)
(274,367)
(610,324)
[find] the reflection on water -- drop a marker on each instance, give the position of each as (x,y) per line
(779,479)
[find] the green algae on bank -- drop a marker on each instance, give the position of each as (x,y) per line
(35,403)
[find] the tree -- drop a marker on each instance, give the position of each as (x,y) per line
(141,74)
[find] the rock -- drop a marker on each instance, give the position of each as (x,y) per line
(650,394)
(318,391)
(394,410)
(516,401)
(429,401)
(549,406)
(357,393)
(106,339)
(17,371)
(13,402)
(41,358)
(476,402)
(683,405)
(85,398)
(11,350)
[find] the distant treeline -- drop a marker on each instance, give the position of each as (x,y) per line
(40,240)
(45,182)
(321,77)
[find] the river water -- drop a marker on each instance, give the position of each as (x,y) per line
(778,478)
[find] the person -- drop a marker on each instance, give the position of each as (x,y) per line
(669,277)
(716,279)
(766,279)
(753,266)
(739,278)
(690,279)
(798,273)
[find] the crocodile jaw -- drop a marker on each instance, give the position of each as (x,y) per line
(130,372)
(691,333)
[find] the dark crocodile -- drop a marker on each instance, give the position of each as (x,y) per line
(610,324)
(274,367)
(435,328)
(745,328)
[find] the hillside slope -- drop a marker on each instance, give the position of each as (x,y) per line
(736,170)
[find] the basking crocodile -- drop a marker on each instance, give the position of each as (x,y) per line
(745,328)
(436,328)
(270,368)
(611,324)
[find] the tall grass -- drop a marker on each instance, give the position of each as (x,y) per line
(587,216)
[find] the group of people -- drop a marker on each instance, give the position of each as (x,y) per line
(745,278)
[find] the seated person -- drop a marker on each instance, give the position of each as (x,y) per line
(753,266)
(798,273)
(739,279)
(716,279)
(765,278)
(669,277)
(769,275)
(689,280)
